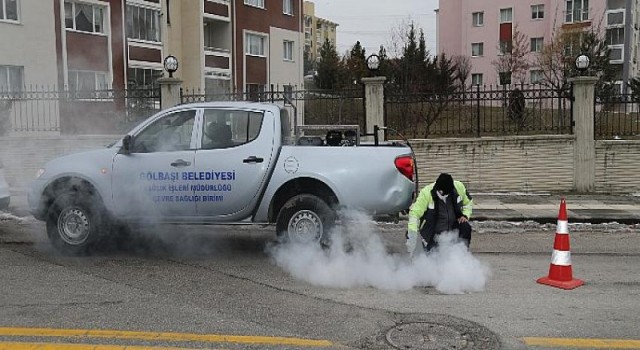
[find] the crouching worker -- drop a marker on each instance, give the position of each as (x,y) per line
(440,207)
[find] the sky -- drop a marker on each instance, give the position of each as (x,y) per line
(372,22)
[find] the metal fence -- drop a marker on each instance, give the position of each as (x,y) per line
(480,111)
(617,117)
(317,107)
(44,109)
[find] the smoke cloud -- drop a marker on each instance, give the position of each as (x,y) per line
(358,257)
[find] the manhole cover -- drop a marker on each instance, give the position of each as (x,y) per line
(427,335)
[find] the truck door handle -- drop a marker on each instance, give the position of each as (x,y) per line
(180,163)
(253,159)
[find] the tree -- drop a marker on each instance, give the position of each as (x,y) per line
(329,67)
(557,59)
(308,63)
(356,63)
(463,68)
(513,61)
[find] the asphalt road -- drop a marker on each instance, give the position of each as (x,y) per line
(225,287)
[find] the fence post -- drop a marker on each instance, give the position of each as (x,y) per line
(584,169)
(169,92)
(374,104)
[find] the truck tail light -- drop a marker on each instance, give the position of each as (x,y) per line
(404,164)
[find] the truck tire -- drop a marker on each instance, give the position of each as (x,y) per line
(75,223)
(305,218)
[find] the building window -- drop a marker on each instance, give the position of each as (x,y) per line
(577,11)
(536,44)
(288,50)
(287,7)
(615,36)
(84,17)
(477,49)
(505,47)
(616,54)
(506,15)
(255,3)
(255,45)
(476,79)
(11,78)
(143,23)
(255,92)
(143,78)
(615,18)
(87,80)
(615,4)
(537,11)
(478,19)
(9,10)
(536,77)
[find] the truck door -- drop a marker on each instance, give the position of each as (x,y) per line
(236,151)
(155,179)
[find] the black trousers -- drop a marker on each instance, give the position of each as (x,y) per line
(464,233)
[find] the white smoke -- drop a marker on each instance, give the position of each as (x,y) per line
(357,257)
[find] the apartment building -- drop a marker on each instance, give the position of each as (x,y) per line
(268,44)
(221,45)
(483,30)
(28,54)
(316,31)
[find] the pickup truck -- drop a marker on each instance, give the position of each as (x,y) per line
(219,163)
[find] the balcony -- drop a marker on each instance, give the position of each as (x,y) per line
(576,16)
(217,62)
(218,10)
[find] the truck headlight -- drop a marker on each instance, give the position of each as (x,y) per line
(40,173)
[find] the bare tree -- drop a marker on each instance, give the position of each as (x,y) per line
(514,60)
(463,68)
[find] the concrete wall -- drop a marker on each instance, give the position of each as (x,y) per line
(617,164)
(510,164)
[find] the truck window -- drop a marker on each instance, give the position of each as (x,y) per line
(225,128)
(169,133)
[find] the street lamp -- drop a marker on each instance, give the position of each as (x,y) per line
(171,65)
(373,63)
(582,63)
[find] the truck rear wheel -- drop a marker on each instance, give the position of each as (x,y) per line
(74,223)
(305,218)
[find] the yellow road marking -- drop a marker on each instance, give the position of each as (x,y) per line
(61,346)
(584,343)
(160,336)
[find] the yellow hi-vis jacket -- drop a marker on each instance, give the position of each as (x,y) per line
(425,202)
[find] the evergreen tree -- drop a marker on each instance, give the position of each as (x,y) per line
(329,67)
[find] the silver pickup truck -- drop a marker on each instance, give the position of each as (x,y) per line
(219,163)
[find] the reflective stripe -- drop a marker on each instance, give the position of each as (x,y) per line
(432,205)
(561,258)
(459,199)
(563,227)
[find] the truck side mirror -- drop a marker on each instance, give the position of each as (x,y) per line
(127,144)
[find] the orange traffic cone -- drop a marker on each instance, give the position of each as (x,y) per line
(560,273)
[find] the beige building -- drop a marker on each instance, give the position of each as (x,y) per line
(28,39)
(316,31)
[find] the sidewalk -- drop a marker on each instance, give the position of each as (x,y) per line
(541,208)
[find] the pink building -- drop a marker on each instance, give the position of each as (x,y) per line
(480,29)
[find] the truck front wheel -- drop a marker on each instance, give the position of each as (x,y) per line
(305,218)
(74,223)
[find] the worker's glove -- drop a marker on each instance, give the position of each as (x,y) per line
(412,240)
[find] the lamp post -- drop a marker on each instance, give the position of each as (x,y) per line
(171,65)
(373,63)
(582,63)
